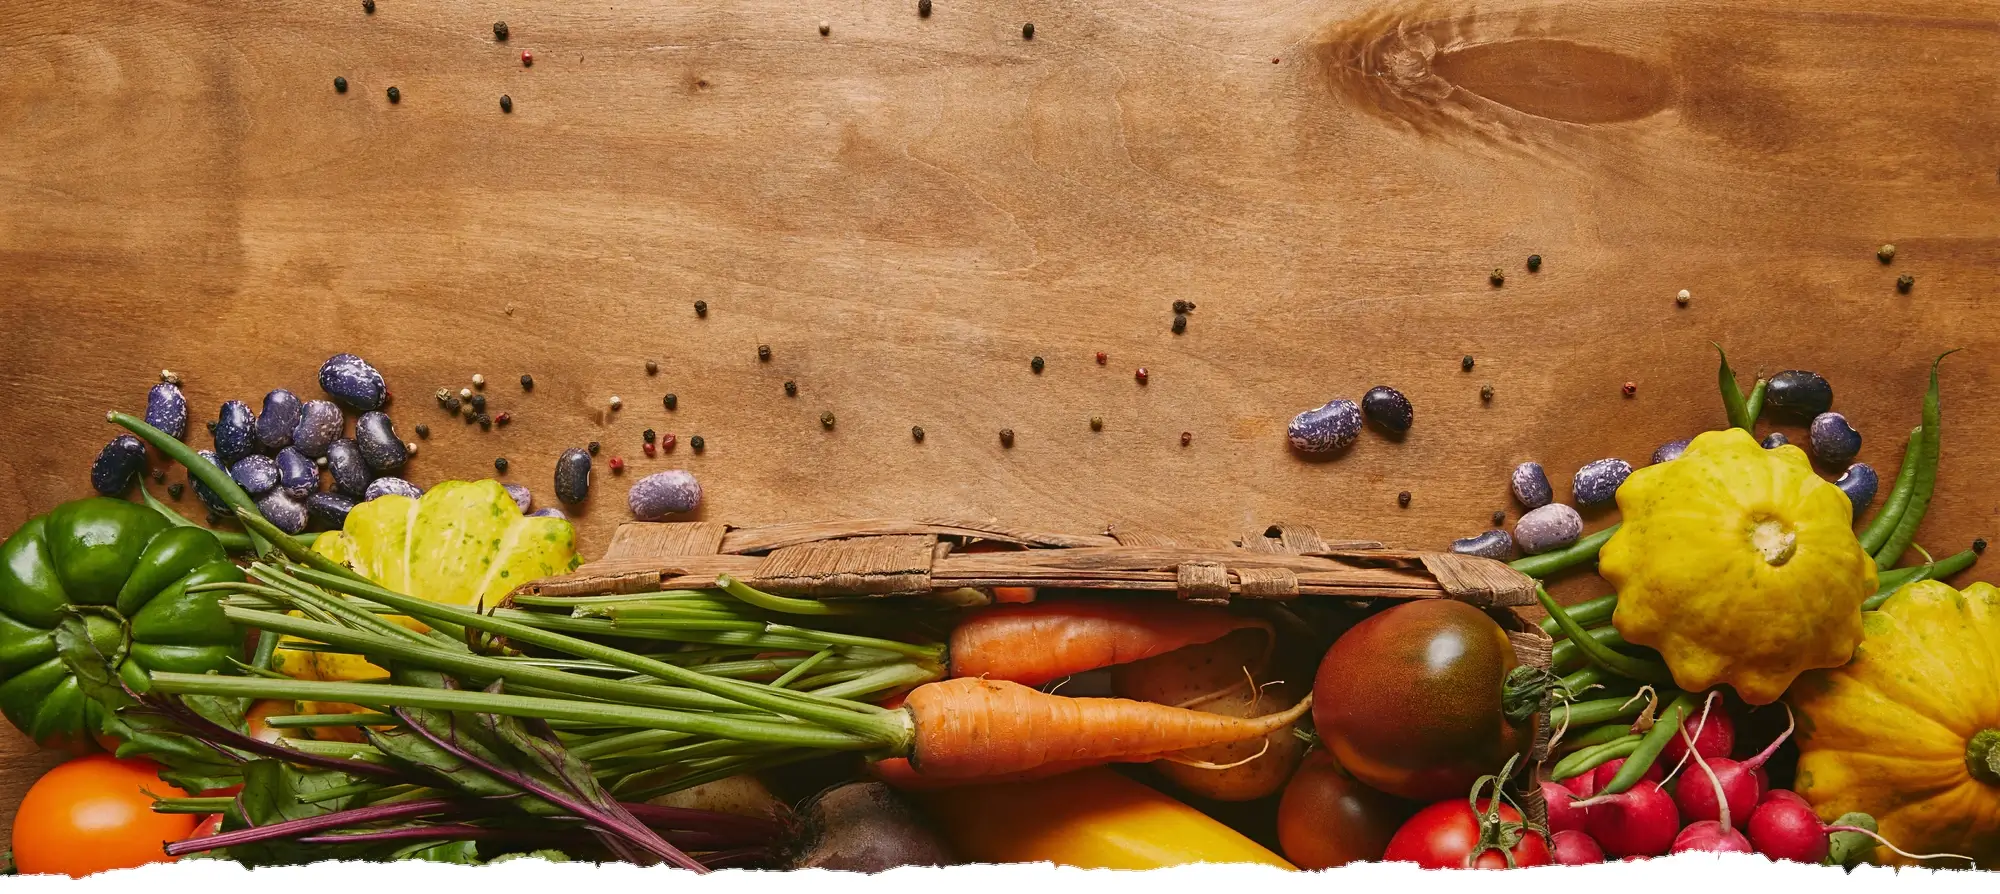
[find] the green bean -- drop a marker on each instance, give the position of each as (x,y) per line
(1595,736)
(1583,679)
(1581,762)
(1753,406)
(1732,395)
(1596,711)
(1926,483)
(1884,522)
(1548,564)
(1891,581)
(1568,655)
(1588,614)
(1665,728)
(1641,669)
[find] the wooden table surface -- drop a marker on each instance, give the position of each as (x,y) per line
(906,210)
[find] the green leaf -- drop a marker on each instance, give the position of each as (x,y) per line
(1849,849)
(460,852)
(81,638)
(271,791)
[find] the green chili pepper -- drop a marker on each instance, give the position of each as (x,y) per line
(1921,489)
(1640,669)
(1879,528)
(1581,762)
(126,571)
(1548,564)
(1665,728)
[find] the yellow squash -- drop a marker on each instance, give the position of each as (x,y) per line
(1909,732)
(1090,819)
(463,543)
(1738,564)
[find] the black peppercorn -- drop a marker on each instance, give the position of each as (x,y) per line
(1182,306)
(764,352)
(339,85)
(527,382)
(1534,263)
(368,6)
(652,368)
(452,405)
(917,431)
(395,95)
(697,443)
(1028,31)
(924,9)
(174,490)
(1978,546)
(1904,282)
(593,448)
(423,431)
(1499,277)
(470,417)
(825,29)
(650,436)
(791,388)
(1036,364)
(506,103)
(1465,363)
(670,401)
(485,422)
(499,30)
(1403,499)
(1096,423)
(826,419)
(1486,392)
(1006,437)
(500,464)
(479,403)
(1499,517)
(1180,323)
(701,308)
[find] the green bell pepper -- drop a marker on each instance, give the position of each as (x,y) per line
(125,571)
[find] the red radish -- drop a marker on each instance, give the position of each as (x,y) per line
(1584,784)
(1738,781)
(1779,794)
(1603,775)
(1714,736)
(1711,836)
(1641,822)
(1573,848)
(1785,828)
(1564,815)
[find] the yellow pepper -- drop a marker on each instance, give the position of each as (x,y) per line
(1091,819)
(1740,565)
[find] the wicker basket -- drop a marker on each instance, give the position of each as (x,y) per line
(925,558)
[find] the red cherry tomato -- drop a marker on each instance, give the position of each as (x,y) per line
(93,814)
(1443,835)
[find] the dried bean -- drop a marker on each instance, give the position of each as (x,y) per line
(296,473)
(1388,408)
(329,510)
(279,419)
(120,460)
(283,509)
(1670,451)
(380,448)
(235,432)
(385,486)
(1797,395)
(257,474)
(1775,440)
(167,410)
(664,493)
(1495,544)
(1833,440)
(320,424)
(1551,527)
(214,501)
(548,512)
(351,382)
(573,476)
(350,471)
(1327,428)
(1859,484)
(522,497)
(1531,485)
(1597,483)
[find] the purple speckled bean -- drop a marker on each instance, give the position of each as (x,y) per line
(1494,544)
(1859,483)
(167,410)
(350,473)
(117,464)
(1833,440)
(1670,451)
(284,510)
(329,510)
(297,474)
(664,493)
(1327,428)
(548,512)
(320,424)
(235,432)
(522,497)
(1551,527)
(352,383)
(257,473)
(573,476)
(1597,483)
(380,448)
(1775,440)
(1531,486)
(279,420)
(214,501)
(381,487)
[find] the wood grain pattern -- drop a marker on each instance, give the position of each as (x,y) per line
(907,210)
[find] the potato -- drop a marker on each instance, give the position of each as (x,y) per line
(1200,671)
(736,795)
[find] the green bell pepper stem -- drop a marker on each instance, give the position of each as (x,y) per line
(849,716)
(892,729)
(1546,565)
(1587,614)
(1610,732)
(1732,395)
(1665,728)
(1580,762)
(1623,665)
(1898,500)
(1926,482)
(1891,581)
(210,474)
(785,604)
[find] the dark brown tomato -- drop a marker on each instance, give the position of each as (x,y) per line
(1409,699)
(1327,818)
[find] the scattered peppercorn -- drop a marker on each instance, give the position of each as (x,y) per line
(1036,364)
(764,352)
(1498,276)
(500,464)
(1187,437)
(618,465)
(917,431)
(652,368)
(499,30)
(1403,499)
(616,402)
(452,405)
(1028,31)
(506,103)
(1140,374)
(465,393)
(593,448)
(1465,363)
(667,441)
(479,381)
(649,448)
(339,85)
(1904,282)
(527,59)
(1486,392)
(1682,298)
(1182,305)
(826,419)
(159,475)
(395,95)
(1630,388)
(485,422)
(478,403)
(1096,423)
(825,28)
(1978,546)
(1499,517)
(791,388)
(170,377)
(470,417)
(670,401)
(368,6)
(423,431)
(1885,254)
(527,382)
(697,443)
(701,308)
(1534,263)
(1102,359)
(1180,323)
(924,12)
(1006,437)
(174,490)
(649,436)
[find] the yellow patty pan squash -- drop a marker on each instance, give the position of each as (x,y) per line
(463,543)
(1739,565)
(1909,732)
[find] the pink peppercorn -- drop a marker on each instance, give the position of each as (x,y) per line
(1140,375)
(667,441)
(527,58)
(1101,358)
(1630,389)
(649,449)
(617,465)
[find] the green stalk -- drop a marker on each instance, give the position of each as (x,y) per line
(193,805)
(343,750)
(1587,614)
(1732,395)
(784,604)
(1926,483)
(341,608)
(1546,565)
(1753,406)
(572,602)
(1640,669)
(356,789)
(309,721)
(668,612)
(893,730)
(1665,728)
(1884,523)
(799,670)
(233,541)
(1567,655)
(887,679)
(210,474)
(922,652)
(1891,581)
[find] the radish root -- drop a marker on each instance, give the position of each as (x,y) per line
(1207,765)
(1698,727)
(1906,854)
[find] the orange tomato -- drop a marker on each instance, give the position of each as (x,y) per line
(253,719)
(93,814)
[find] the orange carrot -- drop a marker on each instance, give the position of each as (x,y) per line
(984,728)
(1044,641)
